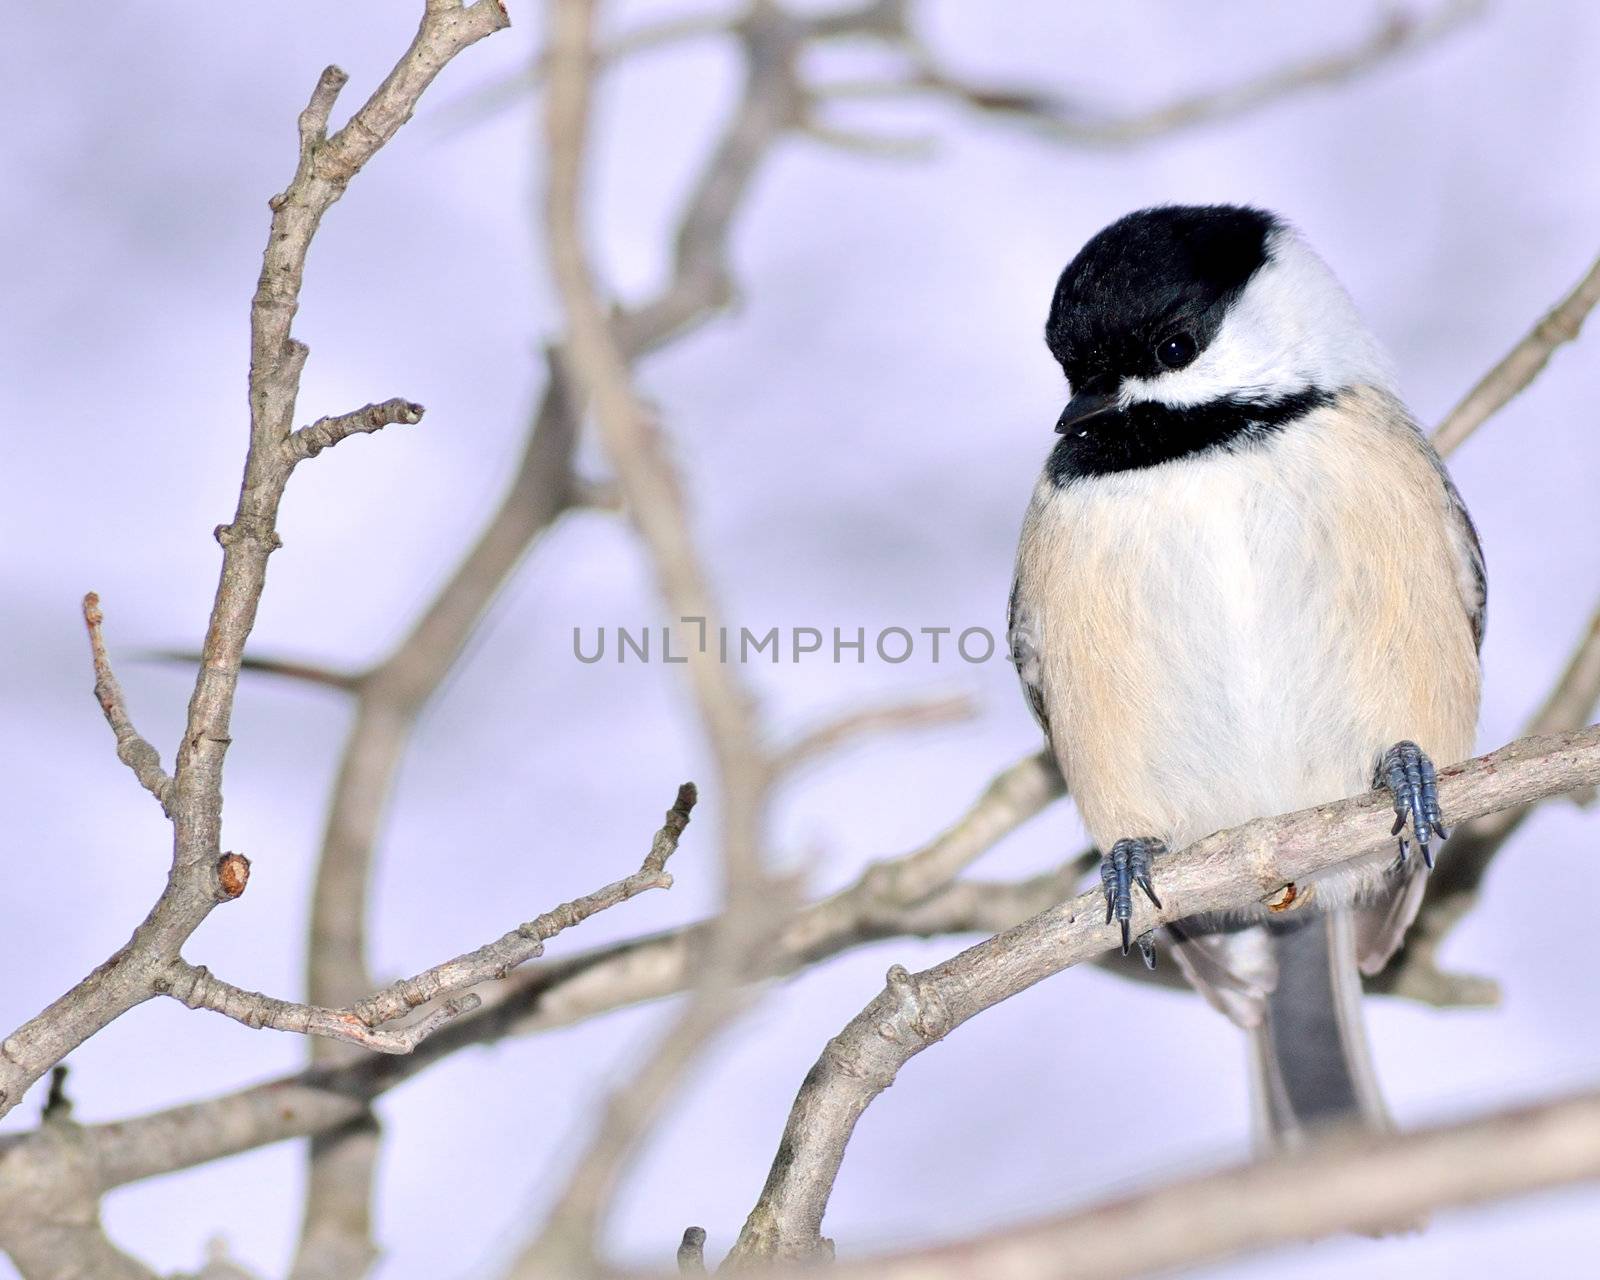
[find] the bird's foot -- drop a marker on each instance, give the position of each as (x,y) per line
(1410,777)
(1128,864)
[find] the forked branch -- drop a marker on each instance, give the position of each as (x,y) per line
(1230,870)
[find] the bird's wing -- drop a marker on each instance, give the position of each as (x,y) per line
(1022,639)
(1472,579)
(1232,969)
(1380,926)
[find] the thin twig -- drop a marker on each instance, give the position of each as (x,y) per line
(324,433)
(881,146)
(363,1022)
(193,985)
(132,749)
(895,717)
(288,668)
(1062,121)
(1521,365)
(511,90)
(692,1252)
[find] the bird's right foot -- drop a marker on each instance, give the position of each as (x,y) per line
(1409,776)
(1128,864)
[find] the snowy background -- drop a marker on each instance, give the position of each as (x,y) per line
(860,437)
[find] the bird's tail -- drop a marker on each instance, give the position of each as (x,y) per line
(1313,1070)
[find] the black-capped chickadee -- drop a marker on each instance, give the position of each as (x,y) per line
(1246,585)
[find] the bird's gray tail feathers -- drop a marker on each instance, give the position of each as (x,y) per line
(1313,1071)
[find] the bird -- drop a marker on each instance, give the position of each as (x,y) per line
(1246,585)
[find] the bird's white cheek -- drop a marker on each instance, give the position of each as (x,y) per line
(1293,327)
(1236,363)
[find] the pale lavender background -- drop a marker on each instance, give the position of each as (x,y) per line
(860,437)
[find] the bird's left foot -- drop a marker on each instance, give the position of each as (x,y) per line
(1410,776)
(1128,864)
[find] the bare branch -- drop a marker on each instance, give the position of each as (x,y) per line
(1015,795)
(394,693)
(692,1252)
(524,943)
(362,1023)
(771,104)
(132,750)
(890,718)
(193,985)
(324,433)
(557,993)
(323,1101)
(881,146)
(50,1215)
(508,91)
(390,698)
(194,799)
(288,668)
(1521,365)
(598,495)
(1062,121)
(1231,870)
(654,503)
(1363,1182)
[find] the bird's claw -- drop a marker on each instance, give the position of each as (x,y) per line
(1146,942)
(1128,864)
(1410,777)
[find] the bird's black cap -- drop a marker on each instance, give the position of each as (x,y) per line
(1156,272)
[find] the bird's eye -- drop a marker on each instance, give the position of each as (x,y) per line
(1176,351)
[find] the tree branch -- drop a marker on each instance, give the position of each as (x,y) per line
(1231,870)
(64,1179)
(324,433)
(692,1252)
(1365,1182)
(393,694)
(194,802)
(1521,365)
(1062,121)
(653,500)
(361,1023)
(332,1101)
(288,668)
(132,749)
(830,735)
(192,985)
(390,699)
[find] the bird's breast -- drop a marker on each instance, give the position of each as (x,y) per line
(1240,633)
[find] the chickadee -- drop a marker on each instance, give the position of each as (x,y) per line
(1245,586)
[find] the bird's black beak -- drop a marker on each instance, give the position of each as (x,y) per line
(1085,405)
